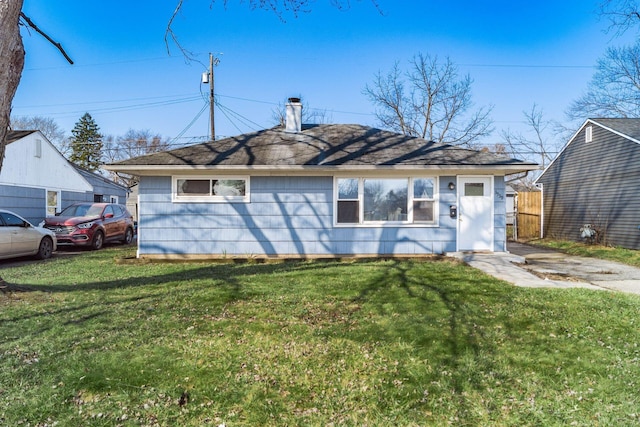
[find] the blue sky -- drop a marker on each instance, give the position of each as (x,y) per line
(517,53)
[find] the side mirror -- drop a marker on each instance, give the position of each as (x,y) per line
(109,215)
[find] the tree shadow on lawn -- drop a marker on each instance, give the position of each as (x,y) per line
(439,301)
(225,277)
(452,308)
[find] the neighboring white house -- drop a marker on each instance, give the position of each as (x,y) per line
(36,180)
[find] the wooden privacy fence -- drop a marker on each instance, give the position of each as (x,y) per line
(528,214)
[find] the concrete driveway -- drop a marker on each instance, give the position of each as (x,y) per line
(531,266)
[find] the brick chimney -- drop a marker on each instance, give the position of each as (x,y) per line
(294,116)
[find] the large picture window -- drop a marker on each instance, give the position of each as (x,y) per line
(386,200)
(199,189)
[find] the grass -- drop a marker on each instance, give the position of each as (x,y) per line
(406,343)
(625,256)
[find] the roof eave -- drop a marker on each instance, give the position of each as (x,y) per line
(165,170)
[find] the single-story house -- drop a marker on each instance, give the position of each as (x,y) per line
(593,185)
(320,191)
(36,180)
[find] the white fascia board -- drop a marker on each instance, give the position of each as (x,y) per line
(155,170)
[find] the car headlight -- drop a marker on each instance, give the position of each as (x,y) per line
(86,225)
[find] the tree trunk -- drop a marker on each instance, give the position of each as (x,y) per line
(11,63)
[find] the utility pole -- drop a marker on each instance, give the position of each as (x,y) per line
(208,78)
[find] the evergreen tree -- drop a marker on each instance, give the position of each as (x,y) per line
(86,144)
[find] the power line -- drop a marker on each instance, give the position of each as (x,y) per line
(527,66)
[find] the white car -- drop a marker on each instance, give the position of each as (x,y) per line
(18,237)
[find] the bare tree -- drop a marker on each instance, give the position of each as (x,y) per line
(279,7)
(621,14)
(430,101)
(614,90)
(539,144)
(135,142)
(46,125)
(11,63)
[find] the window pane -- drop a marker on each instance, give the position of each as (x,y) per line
(348,212)
(52,202)
(52,198)
(422,211)
(474,189)
(12,220)
(194,187)
(229,187)
(385,199)
(348,188)
(423,188)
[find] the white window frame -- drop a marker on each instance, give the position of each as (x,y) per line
(588,134)
(113,199)
(58,206)
(211,198)
(410,199)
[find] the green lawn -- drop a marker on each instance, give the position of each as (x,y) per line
(389,343)
(625,256)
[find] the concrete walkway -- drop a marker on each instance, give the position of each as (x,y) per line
(534,267)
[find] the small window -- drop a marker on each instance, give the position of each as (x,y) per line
(113,199)
(194,187)
(53,202)
(588,134)
(210,189)
(348,201)
(474,189)
(38,152)
(423,199)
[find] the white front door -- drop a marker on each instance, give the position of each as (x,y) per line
(475,213)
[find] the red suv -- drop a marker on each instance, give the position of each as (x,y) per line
(91,224)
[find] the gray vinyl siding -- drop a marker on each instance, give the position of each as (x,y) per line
(70,197)
(105,188)
(598,183)
(286,216)
(27,202)
(31,203)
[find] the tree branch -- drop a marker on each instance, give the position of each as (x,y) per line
(46,36)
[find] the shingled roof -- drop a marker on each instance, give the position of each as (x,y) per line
(319,146)
(629,127)
(14,135)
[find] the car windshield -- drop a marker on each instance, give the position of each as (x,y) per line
(82,210)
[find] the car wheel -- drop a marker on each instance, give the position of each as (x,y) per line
(128,237)
(98,241)
(45,249)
